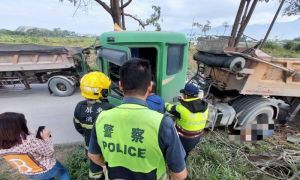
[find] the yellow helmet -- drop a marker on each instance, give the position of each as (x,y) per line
(94,85)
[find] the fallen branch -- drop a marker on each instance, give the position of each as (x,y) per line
(280,166)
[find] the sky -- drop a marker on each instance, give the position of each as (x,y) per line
(93,19)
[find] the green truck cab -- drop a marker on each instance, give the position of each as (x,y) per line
(167,53)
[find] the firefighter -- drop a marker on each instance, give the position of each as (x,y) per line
(191,116)
(134,141)
(94,88)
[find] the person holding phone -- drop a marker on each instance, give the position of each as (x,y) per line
(31,156)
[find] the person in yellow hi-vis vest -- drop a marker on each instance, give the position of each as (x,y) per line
(191,116)
(134,141)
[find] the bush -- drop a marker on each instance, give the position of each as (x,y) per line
(209,161)
(271,45)
(297,47)
(297,39)
(289,45)
(78,164)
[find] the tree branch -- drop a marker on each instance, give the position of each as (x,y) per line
(137,19)
(105,6)
(126,4)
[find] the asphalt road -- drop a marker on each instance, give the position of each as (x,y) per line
(41,108)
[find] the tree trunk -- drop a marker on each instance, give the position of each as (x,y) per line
(236,23)
(245,23)
(123,16)
(116,12)
(245,11)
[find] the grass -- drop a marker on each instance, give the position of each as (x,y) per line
(77,164)
(282,52)
(210,160)
(214,158)
(64,153)
(219,158)
(52,41)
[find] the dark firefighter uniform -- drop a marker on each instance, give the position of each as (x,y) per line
(85,115)
(191,116)
(94,88)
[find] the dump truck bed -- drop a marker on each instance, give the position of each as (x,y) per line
(27,57)
(275,79)
(261,74)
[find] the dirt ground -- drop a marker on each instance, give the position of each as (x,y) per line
(291,128)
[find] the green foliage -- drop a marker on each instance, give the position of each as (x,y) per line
(32,31)
(289,45)
(154,18)
(209,160)
(297,47)
(297,39)
(77,164)
(53,41)
(292,7)
(4,176)
(287,50)
(292,45)
(271,45)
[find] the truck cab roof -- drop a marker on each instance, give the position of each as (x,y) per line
(143,37)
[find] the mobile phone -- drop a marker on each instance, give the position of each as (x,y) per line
(40,129)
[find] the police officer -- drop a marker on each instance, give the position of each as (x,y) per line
(132,140)
(94,88)
(191,116)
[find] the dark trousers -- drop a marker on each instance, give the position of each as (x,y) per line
(95,171)
(189,143)
(58,171)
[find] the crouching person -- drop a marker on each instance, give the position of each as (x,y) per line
(33,157)
(134,141)
(191,116)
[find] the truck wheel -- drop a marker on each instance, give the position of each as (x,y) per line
(255,115)
(61,86)
(254,110)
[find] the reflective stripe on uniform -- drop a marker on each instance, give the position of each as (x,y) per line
(95,175)
(86,126)
(168,106)
(190,121)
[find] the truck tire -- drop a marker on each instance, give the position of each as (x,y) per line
(61,86)
(253,110)
(254,115)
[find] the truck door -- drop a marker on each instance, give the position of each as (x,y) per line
(174,71)
(110,58)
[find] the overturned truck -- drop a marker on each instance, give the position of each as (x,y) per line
(58,66)
(247,86)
